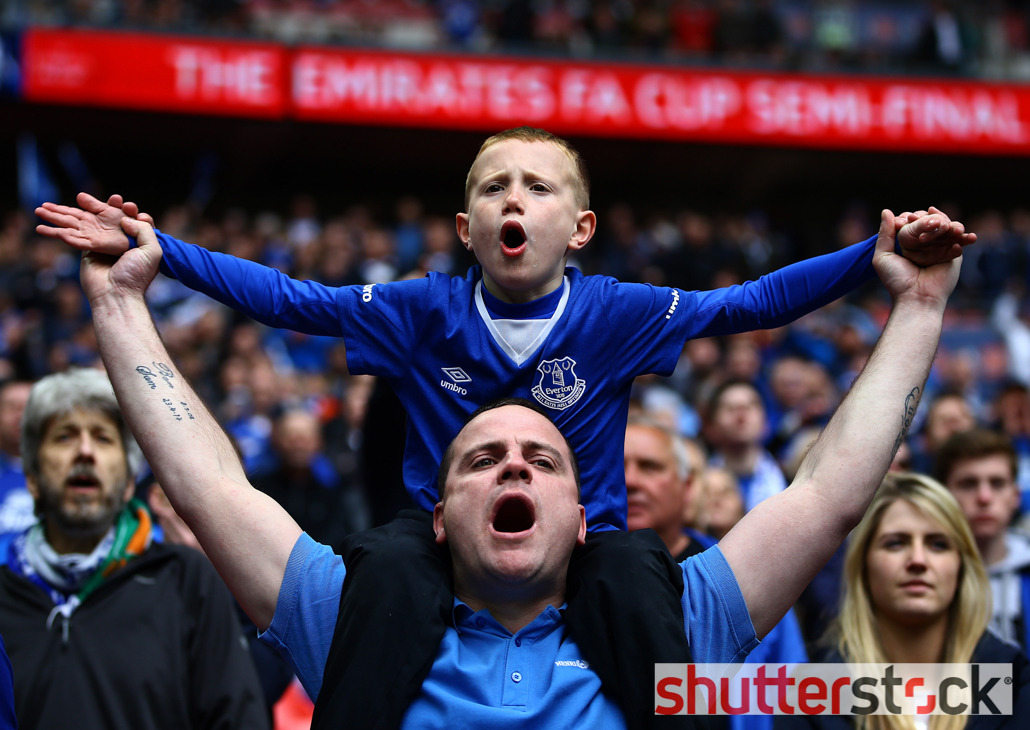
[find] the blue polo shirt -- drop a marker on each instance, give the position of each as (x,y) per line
(486,676)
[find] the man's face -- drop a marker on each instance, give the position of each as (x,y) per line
(987,493)
(13,398)
(510,510)
(740,416)
(523,218)
(656,496)
(298,439)
(83,478)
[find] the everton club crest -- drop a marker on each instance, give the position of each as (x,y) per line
(557,386)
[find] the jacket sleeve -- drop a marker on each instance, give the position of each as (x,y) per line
(225,692)
(783,296)
(264,294)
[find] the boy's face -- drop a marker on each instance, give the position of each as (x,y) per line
(523,218)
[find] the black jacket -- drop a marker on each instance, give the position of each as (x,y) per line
(156,646)
(989,650)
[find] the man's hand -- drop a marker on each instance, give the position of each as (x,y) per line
(95,227)
(929,237)
(128,275)
(907,280)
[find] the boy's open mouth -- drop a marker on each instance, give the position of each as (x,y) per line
(513,238)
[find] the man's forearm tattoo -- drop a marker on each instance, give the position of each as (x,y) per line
(911,403)
(164,372)
(179,409)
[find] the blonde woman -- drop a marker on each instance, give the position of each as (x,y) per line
(916,591)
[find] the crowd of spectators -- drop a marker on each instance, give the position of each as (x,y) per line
(299,419)
(989,39)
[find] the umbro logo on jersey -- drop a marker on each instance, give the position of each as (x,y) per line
(457,375)
(569,663)
(557,386)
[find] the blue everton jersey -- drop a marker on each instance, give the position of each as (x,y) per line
(435,342)
(445,357)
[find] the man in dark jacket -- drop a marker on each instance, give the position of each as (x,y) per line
(105,629)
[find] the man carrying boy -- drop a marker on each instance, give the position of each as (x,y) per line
(509,660)
(523,325)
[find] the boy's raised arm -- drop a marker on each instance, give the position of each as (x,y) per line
(262,293)
(780,545)
(247,535)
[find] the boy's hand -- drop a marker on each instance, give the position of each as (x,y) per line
(95,227)
(904,279)
(126,276)
(930,237)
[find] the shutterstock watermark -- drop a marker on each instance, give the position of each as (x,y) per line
(833,689)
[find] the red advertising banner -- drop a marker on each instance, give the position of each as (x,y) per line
(161,73)
(488,94)
(661,102)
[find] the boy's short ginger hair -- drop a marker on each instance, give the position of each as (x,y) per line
(580,177)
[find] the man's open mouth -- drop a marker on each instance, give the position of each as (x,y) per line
(514,514)
(83,479)
(513,238)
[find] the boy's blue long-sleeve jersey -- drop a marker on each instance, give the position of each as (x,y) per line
(435,342)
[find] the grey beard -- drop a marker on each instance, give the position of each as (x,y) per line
(92,520)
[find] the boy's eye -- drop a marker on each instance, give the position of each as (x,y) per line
(485,461)
(493,188)
(538,188)
(543,463)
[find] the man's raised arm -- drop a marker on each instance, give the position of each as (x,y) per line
(780,545)
(247,535)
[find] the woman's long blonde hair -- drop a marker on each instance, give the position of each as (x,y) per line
(855,632)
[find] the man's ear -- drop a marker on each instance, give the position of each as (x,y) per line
(441,533)
(581,538)
(586,224)
(461,223)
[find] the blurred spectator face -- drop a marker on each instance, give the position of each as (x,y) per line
(13,398)
(948,415)
(703,354)
(409,209)
(1012,410)
(234,374)
(790,382)
(265,389)
(696,230)
(245,341)
(378,244)
(440,237)
(742,360)
(723,505)
(68,301)
(986,490)
(738,416)
(657,494)
(298,439)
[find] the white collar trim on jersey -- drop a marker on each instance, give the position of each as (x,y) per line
(496,333)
